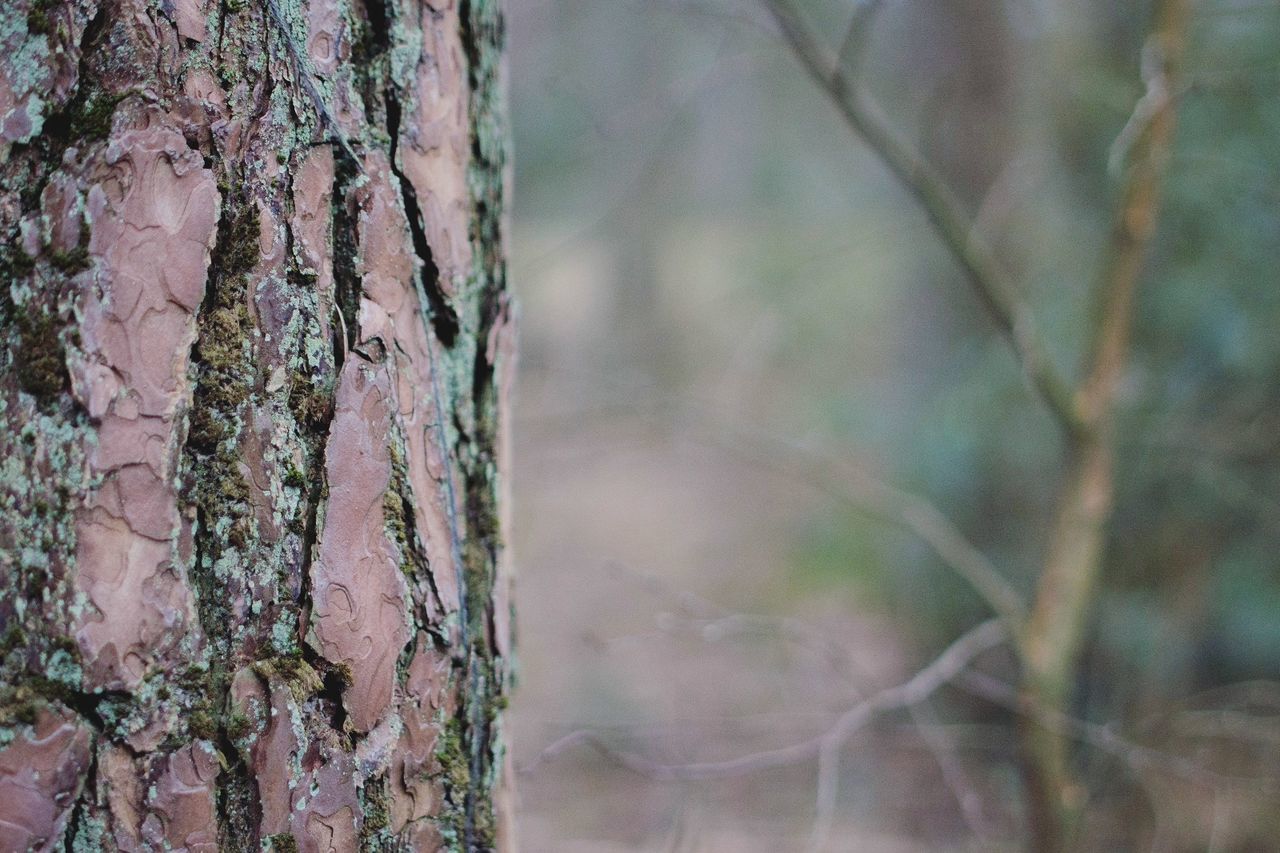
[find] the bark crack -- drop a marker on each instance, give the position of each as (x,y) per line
(443,319)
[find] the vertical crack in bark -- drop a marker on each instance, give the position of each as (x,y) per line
(443,319)
(77,819)
(471,561)
(399,507)
(346,273)
(216,485)
(316,431)
(444,323)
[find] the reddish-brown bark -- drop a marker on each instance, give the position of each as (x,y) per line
(256,333)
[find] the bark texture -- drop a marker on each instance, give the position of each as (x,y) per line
(257,342)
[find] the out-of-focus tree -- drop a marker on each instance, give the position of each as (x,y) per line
(1049,635)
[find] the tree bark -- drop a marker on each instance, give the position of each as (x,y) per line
(257,343)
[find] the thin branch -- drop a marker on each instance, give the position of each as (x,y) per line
(953,661)
(1147,143)
(942,670)
(951,667)
(940,206)
(957,779)
(1145,111)
(874,497)
(850,484)
(856,35)
(1105,737)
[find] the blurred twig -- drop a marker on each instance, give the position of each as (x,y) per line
(1148,108)
(943,669)
(851,484)
(854,485)
(713,623)
(664,112)
(853,45)
(1105,737)
(940,206)
(957,779)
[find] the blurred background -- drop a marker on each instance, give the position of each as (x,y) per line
(728,303)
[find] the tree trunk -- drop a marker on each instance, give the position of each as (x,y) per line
(257,335)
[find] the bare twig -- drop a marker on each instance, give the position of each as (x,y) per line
(953,773)
(866,493)
(849,483)
(854,44)
(1105,737)
(954,660)
(951,667)
(943,669)
(663,112)
(940,206)
(1145,111)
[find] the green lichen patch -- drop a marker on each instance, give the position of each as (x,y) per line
(14,639)
(89,834)
(39,357)
(222,341)
(237,250)
(19,706)
(70,261)
(216,482)
(295,673)
(281,842)
(203,722)
(85,119)
(14,264)
(398,513)
(238,726)
(310,401)
(40,17)
(375,801)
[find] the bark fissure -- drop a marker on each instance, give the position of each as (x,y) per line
(218,491)
(346,273)
(441,316)
(76,825)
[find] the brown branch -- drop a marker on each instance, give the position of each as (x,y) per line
(943,210)
(1054,633)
